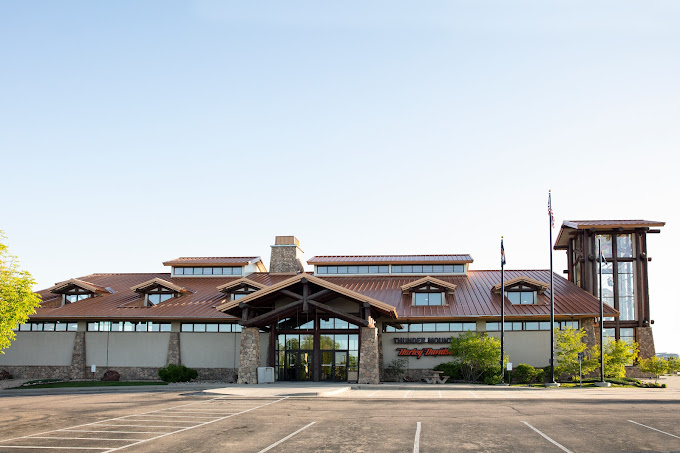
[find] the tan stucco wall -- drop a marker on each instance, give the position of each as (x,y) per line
(210,350)
(40,348)
(528,347)
(129,349)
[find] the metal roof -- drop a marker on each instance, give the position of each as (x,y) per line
(212,260)
(568,226)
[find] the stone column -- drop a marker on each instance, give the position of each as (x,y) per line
(249,358)
(592,336)
(77,370)
(174,351)
(369,366)
(645,340)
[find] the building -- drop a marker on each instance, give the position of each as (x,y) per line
(227,316)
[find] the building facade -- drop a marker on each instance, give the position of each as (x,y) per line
(345,321)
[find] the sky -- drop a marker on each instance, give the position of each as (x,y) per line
(136,132)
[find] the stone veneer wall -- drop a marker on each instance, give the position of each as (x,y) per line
(592,336)
(174,355)
(126,373)
(369,368)
(78,370)
(249,357)
(645,340)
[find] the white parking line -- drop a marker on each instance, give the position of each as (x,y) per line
(68,430)
(285,438)
(145,426)
(80,438)
(169,416)
(562,447)
(473,394)
(416,441)
(372,394)
(440,393)
(654,429)
(405,394)
(58,448)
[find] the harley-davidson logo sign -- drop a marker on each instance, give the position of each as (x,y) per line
(418,353)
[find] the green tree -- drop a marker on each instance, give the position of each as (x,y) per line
(655,365)
(17,299)
(479,356)
(673,365)
(617,354)
(568,343)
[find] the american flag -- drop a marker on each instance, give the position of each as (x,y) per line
(502,253)
(550,212)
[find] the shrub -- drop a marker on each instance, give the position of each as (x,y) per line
(395,370)
(177,373)
(654,365)
(526,374)
(450,369)
(617,354)
(673,365)
(568,343)
(478,356)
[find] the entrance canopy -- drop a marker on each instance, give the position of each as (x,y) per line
(305,293)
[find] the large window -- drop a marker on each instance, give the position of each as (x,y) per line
(230,270)
(618,274)
(521,297)
(211,328)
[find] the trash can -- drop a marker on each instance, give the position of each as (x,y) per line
(265,375)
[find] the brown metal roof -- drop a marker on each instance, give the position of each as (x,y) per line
(568,226)
(473,297)
(212,260)
(391,259)
(82,284)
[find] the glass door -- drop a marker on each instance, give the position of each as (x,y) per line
(340,366)
(299,366)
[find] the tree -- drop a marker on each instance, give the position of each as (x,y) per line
(617,354)
(17,299)
(479,356)
(655,365)
(673,365)
(568,344)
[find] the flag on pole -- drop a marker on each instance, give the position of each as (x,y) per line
(602,256)
(502,253)
(550,212)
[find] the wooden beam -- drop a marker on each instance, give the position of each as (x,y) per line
(338,313)
(295,296)
(320,293)
(272,314)
(305,296)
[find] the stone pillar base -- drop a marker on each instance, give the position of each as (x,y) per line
(249,358)
(369,360)
(77,370)
(645,340)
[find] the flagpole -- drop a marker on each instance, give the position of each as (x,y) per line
(599,249)
(552,296)
(502,311)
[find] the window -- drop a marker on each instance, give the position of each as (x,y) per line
(230,270)
(127,326)
(429,269)
(241,291)
(434,327)
(529,325)
(420,299)
(70,298)
(521,297)
(59,326)
(158,295)
(343,270)
(618,274)
(211,327)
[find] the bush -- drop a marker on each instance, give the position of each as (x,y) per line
(568,343)
(617,354)
(673,364)
(654,365)
(526,374)
(450,369)
(395,370)
(478,356)
(177,373)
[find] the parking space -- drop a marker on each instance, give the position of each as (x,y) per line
(419,421)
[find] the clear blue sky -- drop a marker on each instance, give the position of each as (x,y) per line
(135,132)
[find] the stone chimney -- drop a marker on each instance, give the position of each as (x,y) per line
(286,256)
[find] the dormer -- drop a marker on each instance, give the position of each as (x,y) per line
(225,266)
(522,290)
(74,290)
(158,290)
(239,288)
(428,291)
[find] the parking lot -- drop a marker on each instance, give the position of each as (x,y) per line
(359,421)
